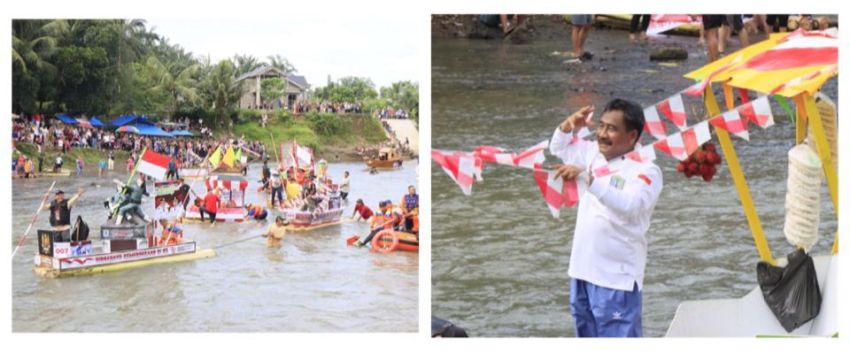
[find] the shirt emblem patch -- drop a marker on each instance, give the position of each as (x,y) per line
(617,182)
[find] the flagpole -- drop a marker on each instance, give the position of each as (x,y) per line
(130,179)
(194,179)
(34,217)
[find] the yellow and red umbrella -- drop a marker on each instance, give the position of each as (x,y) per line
(785,64)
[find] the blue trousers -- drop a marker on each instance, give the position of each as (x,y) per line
(605,312)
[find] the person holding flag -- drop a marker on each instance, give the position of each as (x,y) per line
(608,255)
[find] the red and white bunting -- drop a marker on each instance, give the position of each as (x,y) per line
(556,191)
(526,158)
(642,154)
(674,109)
(731,121)
(680,145)
(654,126)
(459,166)
(757,111)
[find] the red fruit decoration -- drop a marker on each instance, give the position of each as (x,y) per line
(702,162)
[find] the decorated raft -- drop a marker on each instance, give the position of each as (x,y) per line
(232,195)
(119,247)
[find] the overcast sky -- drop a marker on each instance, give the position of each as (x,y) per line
(382,49)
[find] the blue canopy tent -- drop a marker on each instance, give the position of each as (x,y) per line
(66,119)
(96,122)
(129,119)
(152,130)
(182,133)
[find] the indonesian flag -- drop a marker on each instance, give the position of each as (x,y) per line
(680,145)
(757,111)
(674,109)
(459,166)
(153,164)
(556,191)
(654,126)
(731,121)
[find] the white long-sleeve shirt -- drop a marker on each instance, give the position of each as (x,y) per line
(609,244)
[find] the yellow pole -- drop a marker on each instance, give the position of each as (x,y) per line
(801,118)
(816,127)
(739,180)
(822,146)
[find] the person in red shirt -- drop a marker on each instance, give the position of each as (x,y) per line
(210,205)
(362,210)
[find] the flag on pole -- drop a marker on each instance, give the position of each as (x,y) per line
(153,164)
(229,158)
(215,158)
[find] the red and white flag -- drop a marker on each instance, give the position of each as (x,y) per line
(459,166)
(757,111)
(680,145)
(526,158)
(654,126)
(153,164)
(660,23)
(643,154)
(556,191)
(731,121)
(674,109)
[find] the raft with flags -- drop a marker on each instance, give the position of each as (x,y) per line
(232,195)
(119,247)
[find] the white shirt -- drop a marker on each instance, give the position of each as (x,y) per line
(609,244)
(343,185)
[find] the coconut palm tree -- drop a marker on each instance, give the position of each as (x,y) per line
(179,84)
(246,63)
(281,63)
(222,91)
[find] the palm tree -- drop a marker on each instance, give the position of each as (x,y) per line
(222,91)
(246,63)
(34,41)
(282,64)
(179,84)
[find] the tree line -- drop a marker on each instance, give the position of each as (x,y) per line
(109,67)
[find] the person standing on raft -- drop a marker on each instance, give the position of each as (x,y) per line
(608,255)
(60,213)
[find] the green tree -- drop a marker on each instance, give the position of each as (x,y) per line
(84,79)
(282,64)
(246,63)
(180,85)
(272,89)
(402,95)
(222,91)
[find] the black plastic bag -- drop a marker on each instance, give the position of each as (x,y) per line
(443,328)
(791,292)
(81,231)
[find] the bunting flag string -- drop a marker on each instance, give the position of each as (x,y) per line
(466,167)
(674,109)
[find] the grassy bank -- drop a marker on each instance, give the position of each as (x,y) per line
(89,156)
(333,136)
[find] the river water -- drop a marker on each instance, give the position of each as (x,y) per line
(314,283)
(499,259)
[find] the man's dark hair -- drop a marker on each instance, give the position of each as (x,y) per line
(632,114)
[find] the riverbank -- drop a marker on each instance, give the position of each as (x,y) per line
(332,136)
(89,156)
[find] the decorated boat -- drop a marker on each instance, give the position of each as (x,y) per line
(131,244)
(232,188)
(388,158)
